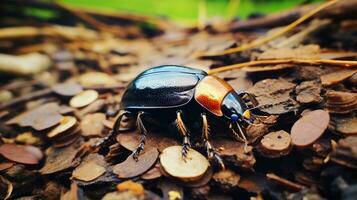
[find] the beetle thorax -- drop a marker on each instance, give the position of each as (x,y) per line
(210,92)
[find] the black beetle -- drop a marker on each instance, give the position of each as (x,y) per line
(171,93)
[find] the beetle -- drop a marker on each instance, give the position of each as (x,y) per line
(173,93)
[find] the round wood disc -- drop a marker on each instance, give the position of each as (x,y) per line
(309,128)
(276,144)
(21,154)
(83,98)
(66,123)
(67,89)
(276,141)
(193,168)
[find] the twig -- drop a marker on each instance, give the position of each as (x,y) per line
(28,97)
(342,63)
(277,34)
(71,33)
(92,21)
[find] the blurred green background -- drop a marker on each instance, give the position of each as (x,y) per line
(186,11)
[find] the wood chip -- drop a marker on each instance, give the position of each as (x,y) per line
(345,125)
(59,159)
(309,128)
(308,92)
(341,102)
(193,168)
(5,165)
(276,144)
(273,96)
(336,77)
(91,168)
(21,154)
(66,123)
(93,124)
(40,118)
(131,168)
(83,98)
(67,89)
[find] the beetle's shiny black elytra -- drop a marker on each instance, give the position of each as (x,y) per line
(175,93)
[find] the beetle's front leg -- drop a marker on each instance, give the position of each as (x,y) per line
(186,144)
(143,132)
(112,134)
(211,151)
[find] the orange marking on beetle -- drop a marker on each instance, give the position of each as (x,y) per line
(210,92)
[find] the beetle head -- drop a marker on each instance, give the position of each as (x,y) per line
(234,108)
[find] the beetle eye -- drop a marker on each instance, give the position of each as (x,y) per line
(234,117)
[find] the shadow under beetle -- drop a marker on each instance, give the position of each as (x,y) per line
(171,93)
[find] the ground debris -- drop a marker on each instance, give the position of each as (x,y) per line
(65,77)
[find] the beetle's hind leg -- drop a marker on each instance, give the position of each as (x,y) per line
(143,132)
(211,151)
(186,144)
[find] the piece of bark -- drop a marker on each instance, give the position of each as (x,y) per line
(308,92)
(341,102)
(273,96)
(234,152)
(59,159)
(346,126)
(90,168)
(337,77)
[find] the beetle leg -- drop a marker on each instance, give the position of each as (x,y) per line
(251,98)
(184,132)
(240,135)
(211,151)
(112,134)
(143,133)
